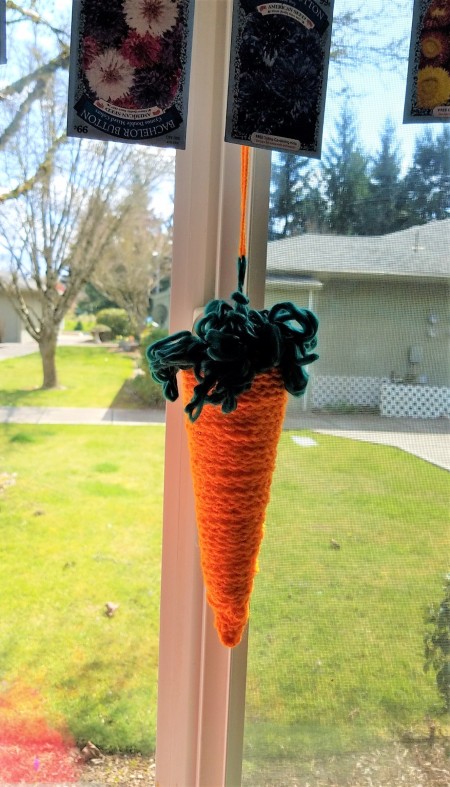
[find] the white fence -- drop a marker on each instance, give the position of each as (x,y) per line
(392,399)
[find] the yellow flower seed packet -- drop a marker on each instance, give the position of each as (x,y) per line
(428,83)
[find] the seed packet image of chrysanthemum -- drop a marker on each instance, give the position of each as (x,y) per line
(428,83)
(278,74)
(129,70)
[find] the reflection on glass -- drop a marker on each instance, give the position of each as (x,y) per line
(342,687)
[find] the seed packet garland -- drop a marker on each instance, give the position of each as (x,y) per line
(428,84)
(129,70)
(278,73)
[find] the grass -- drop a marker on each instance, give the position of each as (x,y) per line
(81,526)
(336,634)
(91,376)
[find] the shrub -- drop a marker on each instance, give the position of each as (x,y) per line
(437,643)
(117,321)
(144,386)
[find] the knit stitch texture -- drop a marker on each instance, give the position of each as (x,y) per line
(232,462)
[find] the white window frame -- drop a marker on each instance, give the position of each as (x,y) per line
(201,684)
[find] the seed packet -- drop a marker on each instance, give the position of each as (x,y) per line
(2,32)
(428,83)
(278,74)
(129,70)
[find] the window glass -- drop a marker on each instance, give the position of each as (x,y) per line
(85,259)
(348,673)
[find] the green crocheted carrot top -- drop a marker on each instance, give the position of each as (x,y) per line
(231,344)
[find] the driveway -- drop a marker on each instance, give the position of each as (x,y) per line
(428,439)
(16,349)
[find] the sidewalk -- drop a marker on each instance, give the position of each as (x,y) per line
(94,416)
(427,439)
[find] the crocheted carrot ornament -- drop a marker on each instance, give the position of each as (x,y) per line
(236,368)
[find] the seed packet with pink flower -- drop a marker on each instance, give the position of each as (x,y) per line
(428,84)
(129,70)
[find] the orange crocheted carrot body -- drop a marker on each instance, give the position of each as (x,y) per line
(232,461)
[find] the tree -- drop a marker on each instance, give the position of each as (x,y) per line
(53,231)
(388,213)
(296,203)
(92,301)
(345,173)
(427,182)
(30,78)
(138,256)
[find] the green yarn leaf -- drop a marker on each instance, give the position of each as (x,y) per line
(231,344)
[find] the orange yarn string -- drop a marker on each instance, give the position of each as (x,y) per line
(245,151)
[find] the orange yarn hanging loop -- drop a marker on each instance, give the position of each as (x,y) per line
(245,155)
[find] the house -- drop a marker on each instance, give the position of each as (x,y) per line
(384,308)
(11,326)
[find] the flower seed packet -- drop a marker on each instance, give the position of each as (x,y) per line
(428,83)
(2,32)
(278,74)
(129,70)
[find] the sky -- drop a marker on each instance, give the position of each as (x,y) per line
(376,94)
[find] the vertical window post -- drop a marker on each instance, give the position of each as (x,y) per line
(194,668)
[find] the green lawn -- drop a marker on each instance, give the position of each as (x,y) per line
(80,525)
(336,652)
(92,376)
(336,635)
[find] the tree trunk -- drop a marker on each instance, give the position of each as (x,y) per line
(47,349)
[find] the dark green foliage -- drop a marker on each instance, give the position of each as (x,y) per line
(437,643)
(93,301)
(388,208)
(144,387)
(427,182)
(117,321)
(296,204)
(347,183)
(348,193)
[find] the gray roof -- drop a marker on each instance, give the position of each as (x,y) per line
(419,252)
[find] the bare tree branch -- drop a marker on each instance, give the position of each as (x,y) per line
(43,168)
(42,72)
(33,16)
(21,112)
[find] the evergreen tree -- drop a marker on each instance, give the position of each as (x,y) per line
(93,301)
(387,212)
(427,183)
(347,183)
(296,204)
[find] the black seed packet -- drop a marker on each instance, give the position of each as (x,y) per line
(2,32)
(428,83)
(129,70)
(278,74)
